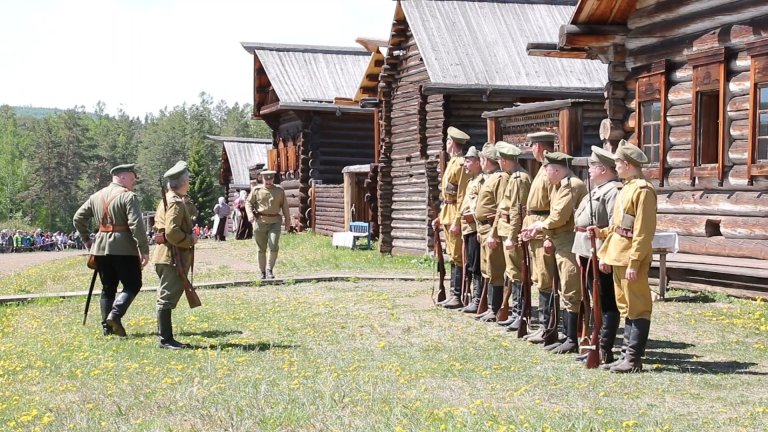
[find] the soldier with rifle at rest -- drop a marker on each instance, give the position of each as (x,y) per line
(491,253)
(507,226)
(453,187)
(121,247)
(469,227)
(627,249)
(604,189)
(173,225)
(537,209)
(568,190)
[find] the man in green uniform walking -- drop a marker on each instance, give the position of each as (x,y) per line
(263,208)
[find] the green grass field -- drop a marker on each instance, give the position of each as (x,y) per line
(367,356)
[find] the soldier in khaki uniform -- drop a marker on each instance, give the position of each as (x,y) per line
(568,191)
(176,223)
(627,248)
(469,227)
(454,184)
(537,209)
(597,209)
(508,223)
(120,248)
(263,206)
(491,253)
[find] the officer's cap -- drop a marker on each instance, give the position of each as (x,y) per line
(557,158)
(490,152)
(542,137)
(630,153)
(507,150)
(472,153)
(122,168)
(268,174)
(458,136)
(602,156)
(176,171)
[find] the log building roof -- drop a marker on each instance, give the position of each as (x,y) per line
(483,44)
(237,155)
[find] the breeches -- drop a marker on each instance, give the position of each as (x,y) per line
(570,285)
(492,263)
(633,298)
(453,245)
(514,263)
(267,235)
(607,293)
(472,253)
(116,269)
(542,266)
(171,287)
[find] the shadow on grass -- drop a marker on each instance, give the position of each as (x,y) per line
(666,344)
(674,363)
(210,334)
(693,298)
(260,346)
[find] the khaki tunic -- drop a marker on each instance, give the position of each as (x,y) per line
(177,223)
(541,263)
(469,203)
(124,210)
(267,203)
(558,227)
(637,199)
(509,220)
(603,198)
(454,185)
(492,263)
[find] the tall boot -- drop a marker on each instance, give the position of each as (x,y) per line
(571,344)
(538,336)
(494,301)
(517,305)
(105,304)
(608,336)
(477,291)
(165,330)
(624,345)
(633,360)
(119,308)
(452,278)
(454,302)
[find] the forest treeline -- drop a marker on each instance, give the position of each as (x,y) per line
(50,165)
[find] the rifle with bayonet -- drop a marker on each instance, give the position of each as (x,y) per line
(525,278)
(437,248)
(593,355)
(550,332)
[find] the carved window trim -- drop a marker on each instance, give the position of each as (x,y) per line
(758,77)
(651,87)
(709,69)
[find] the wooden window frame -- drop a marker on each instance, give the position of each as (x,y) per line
(758,76)
(652,86)
(709,69)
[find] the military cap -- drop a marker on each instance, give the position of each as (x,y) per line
(122,168)
(490,152)
(630,153)
(268,173)
(507,150)
(458,136)
(542,137)
(176,171)
(557,158)
(602,156)
(472,153)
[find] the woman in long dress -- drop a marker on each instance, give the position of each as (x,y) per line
(243,227)
(221,212)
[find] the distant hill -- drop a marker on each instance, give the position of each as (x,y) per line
(36,112)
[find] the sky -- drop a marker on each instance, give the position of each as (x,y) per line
(141,56)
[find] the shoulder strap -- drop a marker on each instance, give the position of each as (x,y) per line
(107,201)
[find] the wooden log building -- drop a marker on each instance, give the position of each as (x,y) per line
(314,138)
(438,73)
(688,84)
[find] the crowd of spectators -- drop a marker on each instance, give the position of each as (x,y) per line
(23,241)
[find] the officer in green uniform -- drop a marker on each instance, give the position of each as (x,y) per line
(176,223)
(627,249)
(263,206)
(558,228)
(120,247)
(469,227)
(453,187)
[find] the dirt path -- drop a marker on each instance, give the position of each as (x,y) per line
(15,262)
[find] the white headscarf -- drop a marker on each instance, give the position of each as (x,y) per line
(221,200)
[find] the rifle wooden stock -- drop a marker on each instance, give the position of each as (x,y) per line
(593,356)
(438,249)
(550,333)
(503,313)
(483,306)
(525,276)
(465,287)
(584,310)
(189,290)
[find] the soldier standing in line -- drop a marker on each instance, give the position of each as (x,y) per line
(537,209)
(508,223)
(627,248)
(263,206)
(568,190)
(599,212)
(491,254)
(454,184)
(469,227)
(175,223)
(121,248)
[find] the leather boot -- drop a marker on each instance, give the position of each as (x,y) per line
(633,360)
(263,275)
(477,291)
(458,280)
(269,274)
(105,304)
(571,344)
(496,293)
(544,302)
(453,303)
(558,342)
(119,308)
(608,336)
(165,330)
(624,345)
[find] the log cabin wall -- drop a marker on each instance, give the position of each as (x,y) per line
(717,209)
(329,208)
(337,142)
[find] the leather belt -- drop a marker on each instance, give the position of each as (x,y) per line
(269,214)
(580,229)
(449,201)
(538,212)
(113,228)
(468,218)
